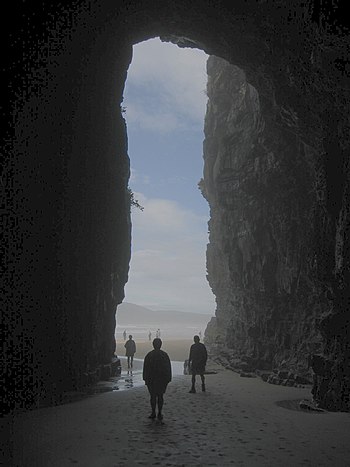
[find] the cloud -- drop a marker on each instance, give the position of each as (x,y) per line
(168,265)
(166,219)
(136,177)
(158,120)
(168,81)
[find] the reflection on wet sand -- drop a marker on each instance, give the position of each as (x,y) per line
(129,379)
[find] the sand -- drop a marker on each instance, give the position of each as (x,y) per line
(237,421)
(177,349)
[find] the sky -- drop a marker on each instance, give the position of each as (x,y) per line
(165,103)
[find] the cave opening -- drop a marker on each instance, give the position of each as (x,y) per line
(164,108)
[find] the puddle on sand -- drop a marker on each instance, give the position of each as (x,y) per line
(133,378)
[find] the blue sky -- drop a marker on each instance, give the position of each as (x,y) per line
(165,103)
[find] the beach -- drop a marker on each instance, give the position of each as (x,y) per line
(237,421)
(177,349)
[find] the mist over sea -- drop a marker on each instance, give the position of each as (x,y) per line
(139,321)
(166,332)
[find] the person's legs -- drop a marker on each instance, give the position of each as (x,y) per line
(128,361)
(131,360)
(203,382)
(193,388)
(153,401)
(160,401)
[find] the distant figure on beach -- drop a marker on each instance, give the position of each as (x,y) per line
(157,375)
(124,334)
(130,347)
(150,336)
(197,361)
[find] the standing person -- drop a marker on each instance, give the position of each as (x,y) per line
(124,334)
(130,350)
(197,361)
(157,375)
(150,336)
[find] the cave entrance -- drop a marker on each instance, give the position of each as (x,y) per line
(164,107)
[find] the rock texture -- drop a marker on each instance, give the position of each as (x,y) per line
(272,237)
(260,182)
(285,263)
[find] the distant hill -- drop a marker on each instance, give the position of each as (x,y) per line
(138,319)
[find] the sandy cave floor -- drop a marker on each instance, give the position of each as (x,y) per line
(237,421)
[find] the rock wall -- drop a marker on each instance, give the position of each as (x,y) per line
(271,251)
(261,185)
(67,228)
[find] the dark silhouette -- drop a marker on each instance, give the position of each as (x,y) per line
(157,375)
(124,334)
(130,347)
(150,336)
(197,361)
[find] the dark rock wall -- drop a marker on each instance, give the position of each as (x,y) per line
(67,229)
(261,181)
(275,177)
(69,222)
(277,195)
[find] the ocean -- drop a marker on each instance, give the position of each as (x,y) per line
(167,332)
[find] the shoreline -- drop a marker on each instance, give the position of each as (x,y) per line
(177,349)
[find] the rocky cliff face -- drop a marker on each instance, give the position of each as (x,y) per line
(271,246)
(260,183)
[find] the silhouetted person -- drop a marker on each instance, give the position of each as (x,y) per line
(197,361)
(149,336)
(157,375)
(124,334)
(130,347)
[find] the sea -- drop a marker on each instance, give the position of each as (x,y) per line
(166,332)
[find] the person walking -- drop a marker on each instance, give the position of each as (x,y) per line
(157,376)
(196,362)
(130,350)
(124,334)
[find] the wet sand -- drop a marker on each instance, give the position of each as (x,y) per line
(177,349)
(236,422)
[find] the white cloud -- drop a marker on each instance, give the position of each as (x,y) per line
(176,77)
(168,218)
(136,177)
(160,121)
(168,265)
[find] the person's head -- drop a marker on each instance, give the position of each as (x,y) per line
(130,337)
(157,343)
(196,339)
